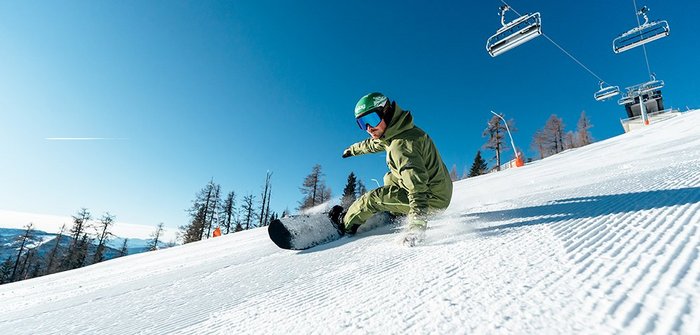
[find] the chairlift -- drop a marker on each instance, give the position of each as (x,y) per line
(651,85)
(626,99)
(606,92)
(514,33)
(638,90)
(645,33)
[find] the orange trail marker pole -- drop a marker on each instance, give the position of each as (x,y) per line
(518,159)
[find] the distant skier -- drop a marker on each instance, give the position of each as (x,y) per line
(417,183)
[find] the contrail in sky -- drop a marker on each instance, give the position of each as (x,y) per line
(86,138)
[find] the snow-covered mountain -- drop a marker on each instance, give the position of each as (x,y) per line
(596,240)
(137,234)
(9,241)
(44,242)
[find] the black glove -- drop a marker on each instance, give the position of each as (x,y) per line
(347,153)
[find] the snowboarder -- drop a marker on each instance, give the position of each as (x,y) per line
(417,183)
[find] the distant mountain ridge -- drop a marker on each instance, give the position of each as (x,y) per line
(45,242)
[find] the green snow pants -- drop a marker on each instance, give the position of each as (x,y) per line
(389,198)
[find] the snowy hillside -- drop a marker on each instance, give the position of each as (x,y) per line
(597,240)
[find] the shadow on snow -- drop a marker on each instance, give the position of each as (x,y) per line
(583,207)
(552,212)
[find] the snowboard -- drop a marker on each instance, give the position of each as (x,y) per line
(301,232)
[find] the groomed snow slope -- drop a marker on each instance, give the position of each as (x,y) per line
(600,239)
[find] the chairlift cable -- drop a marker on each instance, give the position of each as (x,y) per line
(574,58)
(562,49)
(643,46)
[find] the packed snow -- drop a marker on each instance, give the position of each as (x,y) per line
(596,240)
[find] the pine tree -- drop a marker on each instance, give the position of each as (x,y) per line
(325,195)
(54,252)
(26,263)
(32,264)
(551,139)
(212,208)
(193,231)
(314,189)
(361,188)
(539,143)
(496,132)
(27,235)
(583,133)
(6,270)
(203,213)
(349,191)
(103,235)
(248,210)
(267,211)
(554,130)
(569,140)
(155,238)
(124,249)
(82,252)
(264,209)
(228,211)
(479,166)
(36,268)
(80,224)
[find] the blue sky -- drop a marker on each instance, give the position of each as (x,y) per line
(189,91)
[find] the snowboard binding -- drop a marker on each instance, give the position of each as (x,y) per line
(337,214)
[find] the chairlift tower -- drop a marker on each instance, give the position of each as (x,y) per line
(647,92)
(642,93)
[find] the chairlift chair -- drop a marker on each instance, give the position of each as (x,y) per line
(627,98)
(638,90)
(514,33)
(651,85)
(606,92)
(645,33)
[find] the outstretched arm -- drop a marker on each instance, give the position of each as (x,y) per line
(367,146)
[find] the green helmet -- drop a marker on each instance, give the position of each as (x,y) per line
(370,102)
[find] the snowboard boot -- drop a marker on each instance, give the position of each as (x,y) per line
(336,214)
(415,233)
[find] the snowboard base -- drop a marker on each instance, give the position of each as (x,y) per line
(302,232)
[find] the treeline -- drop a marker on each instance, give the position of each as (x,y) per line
(316,192)
(84,244)
(553,138)
(549,140)
(210,211)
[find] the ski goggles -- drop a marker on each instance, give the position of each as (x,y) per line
(371,119)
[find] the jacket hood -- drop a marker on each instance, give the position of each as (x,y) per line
(401,121)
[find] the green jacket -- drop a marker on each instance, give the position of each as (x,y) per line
(413,161)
